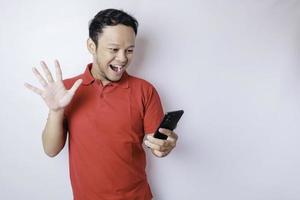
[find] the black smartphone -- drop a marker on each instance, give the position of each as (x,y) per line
(169,121)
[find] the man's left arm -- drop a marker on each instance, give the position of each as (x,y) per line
(161,148)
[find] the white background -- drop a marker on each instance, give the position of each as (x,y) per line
(233,66)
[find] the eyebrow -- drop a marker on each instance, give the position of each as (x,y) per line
(113,44)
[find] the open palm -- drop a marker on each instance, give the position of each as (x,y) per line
(54,93)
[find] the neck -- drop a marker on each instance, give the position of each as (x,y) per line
(98,75)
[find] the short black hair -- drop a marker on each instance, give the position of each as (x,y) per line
(110,17)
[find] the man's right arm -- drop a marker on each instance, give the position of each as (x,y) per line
(54,134)
(57,97)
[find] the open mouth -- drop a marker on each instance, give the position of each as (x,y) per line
(117,68)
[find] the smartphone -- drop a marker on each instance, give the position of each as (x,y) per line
(169,121)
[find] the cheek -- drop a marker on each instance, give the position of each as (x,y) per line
(105,58)
(129,57)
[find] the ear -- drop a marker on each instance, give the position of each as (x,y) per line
(91,46)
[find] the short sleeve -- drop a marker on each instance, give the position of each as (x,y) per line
(153,111)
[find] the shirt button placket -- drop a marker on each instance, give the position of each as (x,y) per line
(101,89)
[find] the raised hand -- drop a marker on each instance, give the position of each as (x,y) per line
(54,93)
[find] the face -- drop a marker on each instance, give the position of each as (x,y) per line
(113,54)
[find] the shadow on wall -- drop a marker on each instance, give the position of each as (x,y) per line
(140,52)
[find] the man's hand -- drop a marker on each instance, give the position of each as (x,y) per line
(54,94)
(161,148)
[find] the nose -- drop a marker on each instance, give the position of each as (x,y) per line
(121,57)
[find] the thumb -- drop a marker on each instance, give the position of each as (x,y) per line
(75,86)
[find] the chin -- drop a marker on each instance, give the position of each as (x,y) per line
(115,78)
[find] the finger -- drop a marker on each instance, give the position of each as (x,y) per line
(39,77)
(47,72)
(173,138)
(165,131)
(154,146)
(172,142)
(160,153)
(157,141)
(151,145)
(58,70)
(75,86)
(34,89)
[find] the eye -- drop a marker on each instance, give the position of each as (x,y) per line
(129,50)
(114,50)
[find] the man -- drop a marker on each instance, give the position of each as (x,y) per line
(106,112)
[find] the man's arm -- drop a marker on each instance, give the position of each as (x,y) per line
(57,97)
(54,134)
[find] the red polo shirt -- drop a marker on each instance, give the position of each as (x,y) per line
(106,128)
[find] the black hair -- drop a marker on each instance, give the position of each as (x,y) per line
(110,17)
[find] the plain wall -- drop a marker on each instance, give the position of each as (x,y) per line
(233,66)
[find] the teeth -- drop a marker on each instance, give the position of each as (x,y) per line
(118,67)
